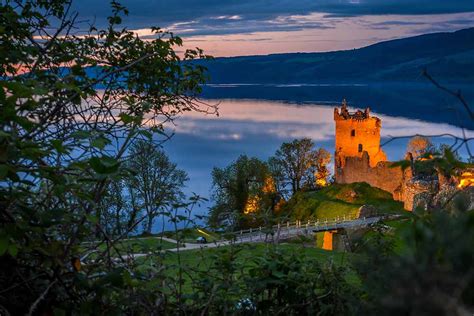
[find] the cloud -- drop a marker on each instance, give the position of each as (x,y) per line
(397,23)
(228,17)
(244,16)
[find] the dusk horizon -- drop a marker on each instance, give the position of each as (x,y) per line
(241,28)
(237,157)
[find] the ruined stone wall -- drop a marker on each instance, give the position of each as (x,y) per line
(382,176)
(418,193)
(359,158)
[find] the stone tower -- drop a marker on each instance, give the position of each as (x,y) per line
(356,133)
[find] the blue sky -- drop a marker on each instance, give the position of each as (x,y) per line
(247,27)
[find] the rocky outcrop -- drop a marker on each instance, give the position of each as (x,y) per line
(418,193)
(366,211)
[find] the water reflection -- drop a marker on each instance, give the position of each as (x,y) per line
(258,127)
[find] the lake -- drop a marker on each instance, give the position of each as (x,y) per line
(257,127)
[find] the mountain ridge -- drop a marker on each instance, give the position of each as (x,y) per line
(392,60)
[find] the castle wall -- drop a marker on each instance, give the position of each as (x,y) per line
(359,158)
(382,176)
(351,133)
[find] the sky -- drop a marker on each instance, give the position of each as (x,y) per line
(257,27)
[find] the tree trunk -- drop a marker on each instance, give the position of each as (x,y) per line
(118,226)
(149,224)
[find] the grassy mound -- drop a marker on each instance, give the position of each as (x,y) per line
(339,200)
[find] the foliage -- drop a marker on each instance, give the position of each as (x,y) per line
(116,213)
(72,105)
(248,279)
(288,283)
(234,186)
(419,146)
(323,158)
(299,166)
(156,183)
(422,268)
(250,192)
(443,161)
(72,102)
(339,200)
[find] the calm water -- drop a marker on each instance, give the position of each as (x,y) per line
(257,127)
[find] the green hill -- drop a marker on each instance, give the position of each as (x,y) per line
(448,56)
(339,200)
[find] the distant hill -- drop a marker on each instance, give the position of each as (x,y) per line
(448,56)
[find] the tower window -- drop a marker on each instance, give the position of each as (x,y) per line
(360,148)
(353,133)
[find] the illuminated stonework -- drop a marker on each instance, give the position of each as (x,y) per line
(356,133)
(358,155)
(328,240)
(359,158)
(466,180)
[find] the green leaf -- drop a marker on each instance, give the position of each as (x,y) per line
(115,278)
(128,119)
(3,171)
(13,250)
(58,146)
(146,133)
(3,244)
(100,142)
(104,165)
(81,135)
(93,219)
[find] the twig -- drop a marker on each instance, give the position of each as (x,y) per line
(456,94)
(41,297)
(457,138)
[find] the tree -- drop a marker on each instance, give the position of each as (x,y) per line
(243,187)
(116,214)
(419,146)
(300,164)
(424,267)
(323,158)
(278,174)
(72,101)
(157,183)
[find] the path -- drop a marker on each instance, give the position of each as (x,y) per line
(277,232)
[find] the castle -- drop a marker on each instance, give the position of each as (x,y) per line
(357,133)
(359,158)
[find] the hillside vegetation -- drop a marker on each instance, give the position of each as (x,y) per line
(339,200)
(445,55)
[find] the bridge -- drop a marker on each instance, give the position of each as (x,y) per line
(292,229)
(279,232)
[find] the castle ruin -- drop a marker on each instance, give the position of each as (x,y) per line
(359,158)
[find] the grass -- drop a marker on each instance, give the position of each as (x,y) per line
(135,245)
(138,245)
(198,261)
(319,239)
(152,243)
(250,251)
(339,200)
